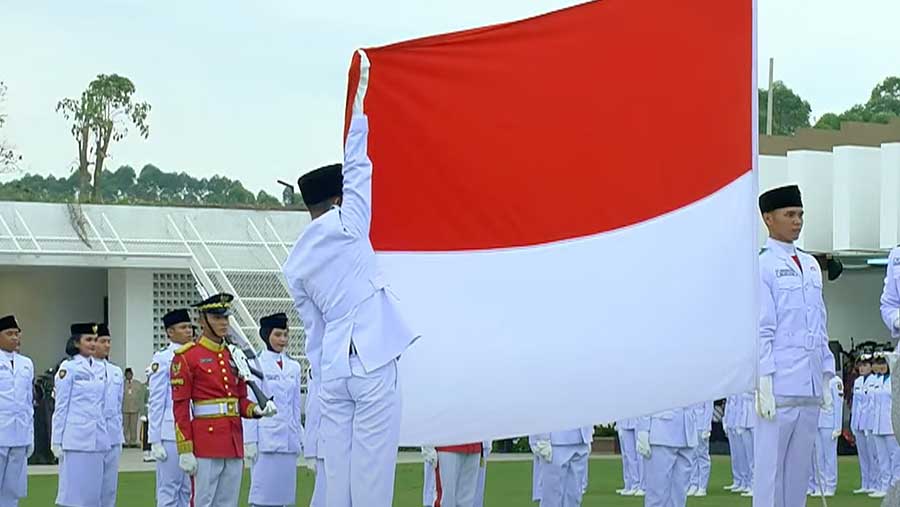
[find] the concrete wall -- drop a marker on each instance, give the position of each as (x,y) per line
(46,301)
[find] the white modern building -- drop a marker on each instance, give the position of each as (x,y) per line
(129,265)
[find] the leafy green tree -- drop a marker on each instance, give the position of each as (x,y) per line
(790,111)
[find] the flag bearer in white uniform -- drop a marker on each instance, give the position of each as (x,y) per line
(824,473)
(173,485)
(859,415)
(795,363)
(16,414)
(314,460)
(273,445)
(667,440)
(631,462)
(78,438)
(703,414)
(112,414)
(564,455)
(355,330)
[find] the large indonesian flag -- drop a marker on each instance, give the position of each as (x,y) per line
(566,207)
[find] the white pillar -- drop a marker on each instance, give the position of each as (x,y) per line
(131,317)
(857,193)
(890,195)
(812,170)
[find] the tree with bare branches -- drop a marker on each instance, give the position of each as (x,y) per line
(100,117)
(9,158)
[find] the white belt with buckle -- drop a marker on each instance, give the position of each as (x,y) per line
(213,409)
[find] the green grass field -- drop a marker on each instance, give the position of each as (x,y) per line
(508,485)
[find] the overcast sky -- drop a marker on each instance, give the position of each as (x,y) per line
(255,90)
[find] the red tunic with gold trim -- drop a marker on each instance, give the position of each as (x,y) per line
(201,375)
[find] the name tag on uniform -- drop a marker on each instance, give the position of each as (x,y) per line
(785,272)
(273,377)
(206,360)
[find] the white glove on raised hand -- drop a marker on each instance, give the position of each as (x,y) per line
(269,411)
(765,398)
(158,451)
(188,463)
(835,434)
(429,454)
(310,463)
(363,85)
(643,444)
(827,398)
(57,451)
(250,452)
(542,449)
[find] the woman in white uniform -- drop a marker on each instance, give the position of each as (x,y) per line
(79,439)
(112,414)
(273,444)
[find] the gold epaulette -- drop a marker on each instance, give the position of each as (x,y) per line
(184,348)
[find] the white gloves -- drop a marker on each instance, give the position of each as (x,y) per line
(310,463)
(360,96)
(827,398)
(429,454)
(30,451)
(188,463)
(705,434)
(892,359)
(57,451)
(725,428)
(765,398)
(250,452)
(543,450)
(158,451)
(739,431)
(835,434)
(144,418)
(269,411)
(643,443)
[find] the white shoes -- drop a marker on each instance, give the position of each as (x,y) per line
(748,493)
(878,494)
(731,487)
(829,493)
(639,492)
(700,492)
(628,492)
(692,491)
(861,491)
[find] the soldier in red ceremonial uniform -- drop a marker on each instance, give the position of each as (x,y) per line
(209,400)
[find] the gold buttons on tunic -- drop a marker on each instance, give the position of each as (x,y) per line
(210,429)
(220,356)
(224,370)
(229,393)
(222,363)
(208,371)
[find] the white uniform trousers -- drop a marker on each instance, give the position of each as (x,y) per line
(318,495)
(173,486)
(701,468)
(736,451)
(864,454)
(273,479)
(536,479)
(782,450)
(218,482)
(456,479)
(630,459)
(668,472)
(824,469)
(562,479)
(746,439)
(78,484)
(429,488)
(482,479)
(110,480)
(359,436)
(888,452)
(13,475)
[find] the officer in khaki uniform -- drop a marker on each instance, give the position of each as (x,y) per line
(132,401)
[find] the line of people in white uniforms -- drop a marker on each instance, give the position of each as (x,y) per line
(561,466)
(870,422)
(16,414)
(824,475)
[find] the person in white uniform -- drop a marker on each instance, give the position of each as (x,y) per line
(355,329)
(873,385)
(795,363)
(273,445)
(823,479)
(78,437)
(890,295)
(735,443)
(112,414)
(173,486)
(314,460)
(887,448)
(859,414)
(631,462)
(564,455)
(16,414)
(667,441)
(744,429)
(703,414)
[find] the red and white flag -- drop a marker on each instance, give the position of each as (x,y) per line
(566,207)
